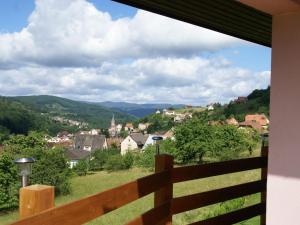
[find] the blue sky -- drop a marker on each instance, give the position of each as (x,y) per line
(75,41)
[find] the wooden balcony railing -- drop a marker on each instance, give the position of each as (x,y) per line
(165,206)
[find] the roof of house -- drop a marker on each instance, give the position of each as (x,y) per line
(230,17)
(114,140)
(139,138)
(94,141)
(252,124)
(77,154)
(259,118)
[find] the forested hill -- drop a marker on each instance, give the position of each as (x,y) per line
(20,114)
(138,110)
(257,102)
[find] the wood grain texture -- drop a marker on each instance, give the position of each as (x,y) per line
(186,203)
(156,216)
(186,173)
(165,194)
(236,216)
(35,199)
(89,208)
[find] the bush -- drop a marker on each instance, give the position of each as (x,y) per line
(113,163)
(146,159)
(127,160)
(82,167)
(9,183)
(50,168)
(119,162)
(100,157)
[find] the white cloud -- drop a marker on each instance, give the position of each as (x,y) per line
(71,49)
(143,80)
(74,33)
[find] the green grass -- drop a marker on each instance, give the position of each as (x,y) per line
(91,184)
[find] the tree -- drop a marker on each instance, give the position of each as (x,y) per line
(50,168)
(194,139)
(9,183)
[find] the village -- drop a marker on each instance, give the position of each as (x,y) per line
(82,144)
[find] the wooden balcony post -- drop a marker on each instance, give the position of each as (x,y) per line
(35,199)
(264,174)
(162,163)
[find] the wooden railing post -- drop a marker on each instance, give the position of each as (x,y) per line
(35,199)
(164,162)
(264,175)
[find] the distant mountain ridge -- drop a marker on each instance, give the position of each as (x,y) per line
(95,115)
(137,110)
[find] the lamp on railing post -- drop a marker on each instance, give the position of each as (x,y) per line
(157,140)
(24,168)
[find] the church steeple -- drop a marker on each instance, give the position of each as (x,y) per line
(113,122)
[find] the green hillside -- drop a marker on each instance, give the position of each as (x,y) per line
(18,118)
(19,115)
(95,115)
(257,102)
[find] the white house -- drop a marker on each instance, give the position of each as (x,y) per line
(132,142)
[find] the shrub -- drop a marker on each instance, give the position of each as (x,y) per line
(82,167)
(119,162)
(9,183)
(113,163)
(127,160)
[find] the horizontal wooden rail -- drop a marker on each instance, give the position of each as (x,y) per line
(161,182)
(236,216)
(186,173)
(89,208)
(186,203)
(157,215)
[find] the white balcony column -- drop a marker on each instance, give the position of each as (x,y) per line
(283,198)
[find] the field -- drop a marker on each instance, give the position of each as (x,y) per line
(100,181)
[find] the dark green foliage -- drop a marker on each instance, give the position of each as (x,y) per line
(258,102)
(82,167)
(146,158)
(158,122)
(19,118)
(119,162)
(9,183)
(50,168)
(100,157)
(196,138)
(92,113)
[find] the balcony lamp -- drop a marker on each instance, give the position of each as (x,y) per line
(24,169)
(157,140)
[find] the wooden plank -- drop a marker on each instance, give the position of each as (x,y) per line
(236,216)
(35,199)
(158,215)
(86,209)
(185,173)
(190,202)
(264,175)
(165,194)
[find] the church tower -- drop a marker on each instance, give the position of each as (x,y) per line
(113,128)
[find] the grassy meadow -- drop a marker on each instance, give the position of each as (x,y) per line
(100,181)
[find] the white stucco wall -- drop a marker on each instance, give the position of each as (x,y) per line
(283,196)
(128,144)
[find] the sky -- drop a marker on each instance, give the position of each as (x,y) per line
(99,50)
